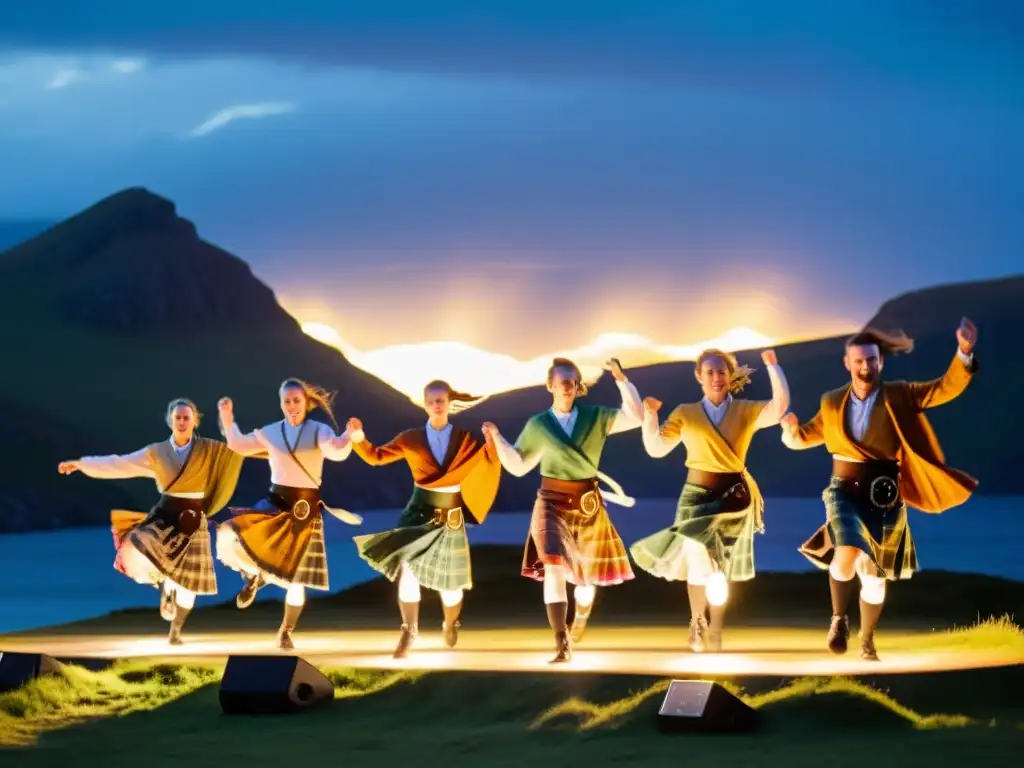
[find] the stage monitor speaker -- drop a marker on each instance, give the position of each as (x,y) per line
(16,669)
(698,706)
(272,685)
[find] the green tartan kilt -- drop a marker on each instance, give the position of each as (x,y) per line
(430,537)
(883,534)
(728,537)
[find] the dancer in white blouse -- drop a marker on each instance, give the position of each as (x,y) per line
(280,540)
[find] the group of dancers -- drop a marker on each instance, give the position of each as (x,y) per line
(885,456)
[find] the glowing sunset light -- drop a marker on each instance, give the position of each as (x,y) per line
(407,367)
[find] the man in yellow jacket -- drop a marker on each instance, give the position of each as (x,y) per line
(885,455)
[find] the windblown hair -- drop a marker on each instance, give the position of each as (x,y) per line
(179,402)
(888,342)
(316,397)
(459,401)
(739,375)
(568,365)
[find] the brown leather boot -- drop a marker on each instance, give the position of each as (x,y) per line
(410,628)
(451,624)
(248,591)
(180,616)
(869,615)
(284,634)
(563,643)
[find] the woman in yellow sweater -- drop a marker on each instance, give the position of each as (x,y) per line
(711,541)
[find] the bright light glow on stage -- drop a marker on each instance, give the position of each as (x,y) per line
(408,367)
(615,650)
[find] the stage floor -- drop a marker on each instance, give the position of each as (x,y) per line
(657,651)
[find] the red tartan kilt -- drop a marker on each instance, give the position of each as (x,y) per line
(589,547)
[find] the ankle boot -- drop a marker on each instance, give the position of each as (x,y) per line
(557,613)
(177,623)
(451,624)
(410,628)
(284,634)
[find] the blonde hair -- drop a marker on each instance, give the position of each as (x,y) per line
(316,397)
(459,401)
(739,375)
(567,364)
(182,402)
(888,342)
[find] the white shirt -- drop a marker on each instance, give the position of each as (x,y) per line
(317,444)
(137,464)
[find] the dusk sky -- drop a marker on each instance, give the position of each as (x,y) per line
(531,175)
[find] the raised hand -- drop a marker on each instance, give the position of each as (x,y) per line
(652,404)
(966,336)
(67,467)
(489,430)
(615,367)
(768,357)
(354,425)
(789,422)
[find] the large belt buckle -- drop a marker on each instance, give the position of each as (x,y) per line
(454,519)
(301,509)
(188,521)
(589,504)
(884,492)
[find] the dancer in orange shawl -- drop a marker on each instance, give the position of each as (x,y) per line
(453,472)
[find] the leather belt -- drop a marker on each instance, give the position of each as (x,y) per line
(583,493)
(876,481)
(713,481)
(184,514)
(299,501)
(452,518)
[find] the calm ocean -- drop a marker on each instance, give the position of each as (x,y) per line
(56,577)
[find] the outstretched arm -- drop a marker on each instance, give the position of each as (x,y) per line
(113,467)
(799,437)
(660,442)
(779,403)
(519,459)
(374,455)
(334,447)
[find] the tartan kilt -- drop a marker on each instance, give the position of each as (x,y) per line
(151,549)
(589,547)
(883,534)
(430,537)
(274,543)
(727,536)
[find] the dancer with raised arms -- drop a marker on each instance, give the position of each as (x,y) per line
(280,539)
(711,542)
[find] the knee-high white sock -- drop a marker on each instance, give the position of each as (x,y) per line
(185,598)
(872,586)
(451,597)
(554,585)
(698,563)
(296,595)
(584,595)
(408,586)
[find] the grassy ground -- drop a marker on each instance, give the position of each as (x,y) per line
(166,714)
(494,719)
